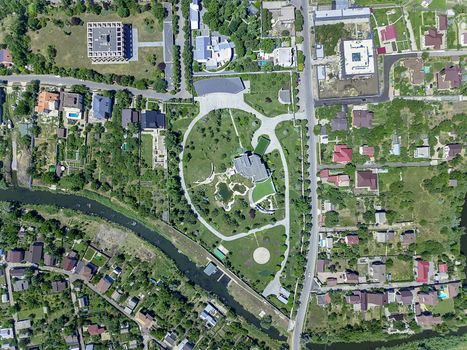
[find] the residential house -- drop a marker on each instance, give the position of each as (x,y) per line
(71,104)
(283,57)
(362,118)
(185,345)
(34,254)
(442,22)
(69,262)
(339,123)
(131,304)
(449,77)
(321,265)
(367,151)
(351,277)
(170,339)
(331,281)
(48,103)
(213,51)
(384,236)
(428,298)
(101,107)
(340,180)
(50,260)
(22,324)
(433,39)
(415,68)
(194,15)
(129,115)
(59,286)
(83,301)
(15,256)
(351,239)
(20,285)
(153,120)
(6,333)
(72,341)
(18,272)
(342,154)
(209,315)
(423,271)
(251,166)
(5,58)
(116,295)
(367,179)
(95,329)
(404,297)
(354,298)
(452,150)
(376,299)
(380,217)
(323,299)
(427,320)
(145,319)
(408,237)
(388,33)
(377,271)
(85,270)
(104,284)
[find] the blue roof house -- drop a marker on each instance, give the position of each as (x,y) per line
(101,107)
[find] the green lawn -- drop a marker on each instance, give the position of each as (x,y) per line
(263,190)
(264,90)
(402,270)
(89,253)
(210,150)
(72,51)
(246,124)
(429,18)
(99,260)
(241,256)
(262,146)
(444,307)
(146,149)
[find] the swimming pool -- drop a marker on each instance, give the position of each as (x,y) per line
(73,115)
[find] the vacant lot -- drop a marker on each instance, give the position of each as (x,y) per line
(72,50)
(264,91)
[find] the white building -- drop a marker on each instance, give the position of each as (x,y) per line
(358,57)
(194,14)
(283,56)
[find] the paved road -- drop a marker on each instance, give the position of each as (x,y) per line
(366,286)
(380,165)
(446,98)
(313,247)
(67,81)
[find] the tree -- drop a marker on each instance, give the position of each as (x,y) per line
(160,85)
(123,12)
(298,20)
(331,218)
(51,52)
(158,11)
(74,182)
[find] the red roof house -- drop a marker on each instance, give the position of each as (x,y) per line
(15,256)
(388,33)
(69,263)
(94,329)
(367,179)
(443,268)
(449,77)
(362,118)
(422,271)
(351,240)
(342,154)
(5,58)
(442,22)
(433,39)
(367,151)
(381,50)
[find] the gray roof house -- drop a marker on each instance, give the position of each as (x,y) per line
(71,100)
(251,166)
(101,107)
(378,271)
(339,123)
(153,120)
(129,115)
(202,54)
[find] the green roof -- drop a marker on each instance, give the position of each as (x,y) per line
(218,254)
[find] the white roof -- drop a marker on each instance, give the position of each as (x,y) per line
(358,57)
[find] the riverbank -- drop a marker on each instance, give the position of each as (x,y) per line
(186,266)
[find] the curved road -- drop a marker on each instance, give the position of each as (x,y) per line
(68,81)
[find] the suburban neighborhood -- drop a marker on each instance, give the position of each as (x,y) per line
(202,174)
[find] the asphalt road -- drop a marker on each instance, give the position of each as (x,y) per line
(313,247)
(67,81)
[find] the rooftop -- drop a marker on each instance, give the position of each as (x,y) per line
(101,107)
(367,179)
(358,57)
(251,166)
(219,85)
(153,120)
(342,154)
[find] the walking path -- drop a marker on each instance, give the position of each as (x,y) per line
(216,101)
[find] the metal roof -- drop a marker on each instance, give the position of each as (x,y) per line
(216,85)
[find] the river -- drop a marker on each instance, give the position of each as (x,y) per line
(186,266)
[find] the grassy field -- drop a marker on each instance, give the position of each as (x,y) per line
(241,255)
(444,307)
(262,190)
(401,270)
(264,90)
(146,149)
(72,51)
(211,148)
(246,125)
(262,146)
